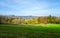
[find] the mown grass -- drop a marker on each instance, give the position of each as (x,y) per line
(30,31)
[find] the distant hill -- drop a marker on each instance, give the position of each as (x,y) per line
(25,17)
(18,16)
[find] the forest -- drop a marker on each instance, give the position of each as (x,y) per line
(29,19)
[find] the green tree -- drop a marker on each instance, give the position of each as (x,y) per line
(51,19)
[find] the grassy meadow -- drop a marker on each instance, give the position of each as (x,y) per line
(30,31)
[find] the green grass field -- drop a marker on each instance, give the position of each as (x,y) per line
(30,31)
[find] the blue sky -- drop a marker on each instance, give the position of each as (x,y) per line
(30,7)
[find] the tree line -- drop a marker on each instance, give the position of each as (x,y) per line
(36,20)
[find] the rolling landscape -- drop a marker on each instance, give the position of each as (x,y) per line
(29,18)
(29,27)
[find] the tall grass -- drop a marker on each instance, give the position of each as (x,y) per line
(22,31)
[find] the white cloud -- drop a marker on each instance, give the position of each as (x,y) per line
(28,7)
